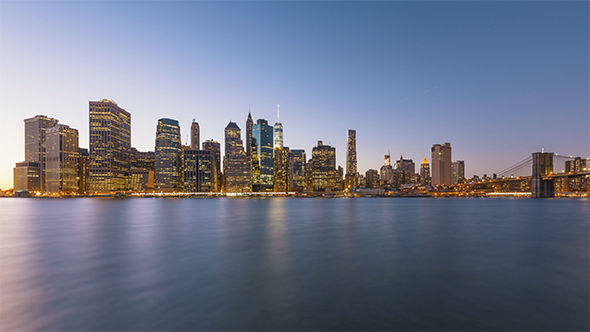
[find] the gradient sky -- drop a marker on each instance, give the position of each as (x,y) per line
(499,80)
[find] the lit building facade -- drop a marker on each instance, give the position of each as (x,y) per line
(199,170)
(83,171)
(352,179)
(62,159)
(237,169)
(457,171)
(386,171)
(232,134)
(282,179)
(110,146)
(372,179)
(35,143)
(441,164)
(323,167)
(278,132)
(27,176)
(168,161)
(425,173)
(262,156)
(297,169)
(576,165)
(215,148)
(195,135)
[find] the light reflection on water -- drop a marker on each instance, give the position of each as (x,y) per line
(294,264)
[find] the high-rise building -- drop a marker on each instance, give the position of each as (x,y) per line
(140,159)
(406,165)
(237,169)
(282,177)
(386,171)
(110,146)
(195,135)
(457,171)
(35,143)
(297,169)
(576,165)
(215,148)
(278,132)
(351,176)
(249,124)
(142,170)
(27,176)
(425,173)
(372,179)
(168,162)
(62,159)
(83,171)
(441,164)
(199,170)
(232,134)
(262,156)
(324,167)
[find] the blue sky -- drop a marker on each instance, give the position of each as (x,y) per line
(499,80)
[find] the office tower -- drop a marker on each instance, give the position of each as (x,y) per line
(35,143)
(215,148)
(83,171)
(386,171)
(110,145)
(195,135)
(142,166)
(232,134)
(282,178)
(441,164)
(457,171)
(249,124)
(297,169)
(199,170)
(262,156)
(425,173)
(27,176)
(576,165)
(351,177)
(237,169)
(62,159)
(324,167)
(278,132)
(168,162)
(406,170)
(372,179)
(309,174)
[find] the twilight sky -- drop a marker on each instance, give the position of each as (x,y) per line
(499,80)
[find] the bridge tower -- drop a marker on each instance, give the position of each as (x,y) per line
(542,166)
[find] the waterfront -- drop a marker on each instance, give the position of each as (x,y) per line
(294,264)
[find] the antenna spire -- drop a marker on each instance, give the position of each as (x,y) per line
(278,117)
(249,108)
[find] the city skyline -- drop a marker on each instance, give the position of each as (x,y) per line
(496,99)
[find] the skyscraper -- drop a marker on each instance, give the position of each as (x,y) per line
(278,132)
(62,159)
(324,167)
(249,124)
(83,171)
(262,156)
(425,173)
(215,148)
(372,179)
(457,171)
(237,169)
(168,164)
(199,170)
(195,135)
(110,145)
(386,170)
(282,177)
(35,143)
(27,176)
(297,169)
(351,176)
(441,164)
(232,134)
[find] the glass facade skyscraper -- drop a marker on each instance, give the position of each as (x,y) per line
(62,159)
(324,167)
(297,169)
(168,165)
(441,164)
(35,143)
(278,132)
(262,156)
(110,146)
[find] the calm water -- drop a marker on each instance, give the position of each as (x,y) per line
(294,264)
